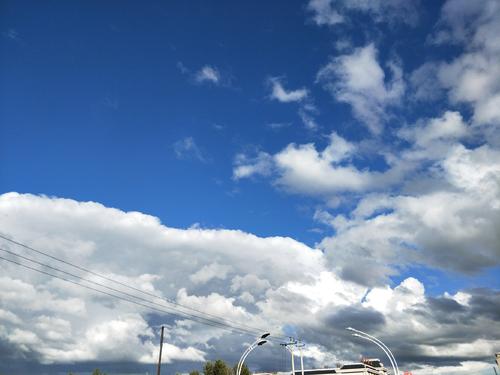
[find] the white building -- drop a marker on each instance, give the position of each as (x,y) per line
(366,367)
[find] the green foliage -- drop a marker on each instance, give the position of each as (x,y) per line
(244,369)
(98,372)
(208,369)
(195,372)
(219,367)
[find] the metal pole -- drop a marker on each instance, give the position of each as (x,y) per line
(301,361)
(243,357)
(260,341)
(161,347)
(381,347)
(293,359)
(381,343)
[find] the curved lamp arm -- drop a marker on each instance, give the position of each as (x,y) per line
(260,341)
(380,342)
(381,347)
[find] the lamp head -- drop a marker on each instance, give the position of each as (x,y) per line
(261,342)
(265,335)
(350,328)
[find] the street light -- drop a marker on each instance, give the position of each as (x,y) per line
(259,342)
(381,347)
(380,344)
(389,354)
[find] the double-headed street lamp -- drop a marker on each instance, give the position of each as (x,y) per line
(380,344)
(260,341)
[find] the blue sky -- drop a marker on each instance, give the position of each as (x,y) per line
(364,131)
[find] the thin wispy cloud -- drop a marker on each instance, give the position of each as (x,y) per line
(279,93)
(207,74)
(336,12)
(11,34)
(186,148)
(278,125)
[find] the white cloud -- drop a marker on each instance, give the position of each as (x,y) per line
(359,80)
(186,148)
(50,222)
(324,13)
(208,74)
(279,93)
(245,166)
(209,272)
(249,282)
(308,120)
(333,12)
(450,126)
(285,282)
(451,229)
(384,299)
(473,76)
(306,170)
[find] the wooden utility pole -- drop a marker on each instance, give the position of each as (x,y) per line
(161,347)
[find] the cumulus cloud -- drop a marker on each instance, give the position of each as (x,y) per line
(358,80)
(450,224)
(306,170)
(450,126)
(115,238)
(209,272)
(69,324)
(473,76)
(450,229)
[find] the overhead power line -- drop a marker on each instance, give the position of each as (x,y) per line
(199,316)
(107,293)
(174,312)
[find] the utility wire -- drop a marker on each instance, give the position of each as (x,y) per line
(229,328)
(125,285)
(183,314)
(221,319)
